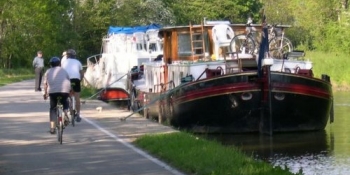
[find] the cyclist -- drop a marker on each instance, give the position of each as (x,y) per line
(75,71)
(56,84)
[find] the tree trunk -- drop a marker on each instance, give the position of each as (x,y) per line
(345,4)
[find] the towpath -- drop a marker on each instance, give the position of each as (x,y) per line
(100,144)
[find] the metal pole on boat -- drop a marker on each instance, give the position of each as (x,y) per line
(325,77)
(270,98)
(266,62)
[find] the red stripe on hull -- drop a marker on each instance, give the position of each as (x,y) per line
(217,90)
(300,89)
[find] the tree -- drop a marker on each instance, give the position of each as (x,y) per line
(235,11)
(28,26)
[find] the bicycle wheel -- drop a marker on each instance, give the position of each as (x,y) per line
(242,44)
(72,110)
(60,130)
(73,118)
(134,105)
(280,46)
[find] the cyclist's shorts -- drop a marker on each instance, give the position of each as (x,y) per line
(62,97)
(75,84)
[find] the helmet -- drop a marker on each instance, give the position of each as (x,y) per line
(55,61)
(71,53)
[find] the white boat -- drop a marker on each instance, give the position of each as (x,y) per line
(124,50)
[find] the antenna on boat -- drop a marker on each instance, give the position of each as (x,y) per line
(264,45)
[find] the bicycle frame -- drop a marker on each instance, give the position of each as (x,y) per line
(60,120)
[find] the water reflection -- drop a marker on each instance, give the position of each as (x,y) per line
(264,147)
(316,153)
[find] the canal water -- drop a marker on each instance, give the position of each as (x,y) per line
(316,153)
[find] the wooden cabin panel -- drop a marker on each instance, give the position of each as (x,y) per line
(174,45)
(211,43)
(166,47)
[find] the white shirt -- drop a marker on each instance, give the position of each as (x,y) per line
(73,67)
(64,58)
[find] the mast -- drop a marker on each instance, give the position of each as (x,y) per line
(264,45)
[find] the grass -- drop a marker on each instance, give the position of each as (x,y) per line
(336,65)
(194,155)
(87,92)
(15,75)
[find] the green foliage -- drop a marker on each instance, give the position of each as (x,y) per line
(195,155)
(236,11)
(28,26)
(54,26)
(314,23)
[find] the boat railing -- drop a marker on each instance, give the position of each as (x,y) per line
(153,73)
(163,87)
(212,72)
(147,41)
(92,60)
(294,54)
(93,71)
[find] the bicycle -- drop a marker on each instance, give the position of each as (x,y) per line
(245,43)
(72,110)
(279,45)
(72,104)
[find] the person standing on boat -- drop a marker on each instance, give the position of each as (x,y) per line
(75,71)
(38,64)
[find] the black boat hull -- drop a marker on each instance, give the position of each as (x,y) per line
(239,103)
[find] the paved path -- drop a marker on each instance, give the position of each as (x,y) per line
(98,145)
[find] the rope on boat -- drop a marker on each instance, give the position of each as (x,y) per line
(154,100)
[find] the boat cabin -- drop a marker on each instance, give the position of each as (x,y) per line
(199,51)
(200,42)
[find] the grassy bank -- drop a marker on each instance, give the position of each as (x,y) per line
(15,75)
(333,64)
(195,155)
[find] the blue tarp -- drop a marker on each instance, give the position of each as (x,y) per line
(131,30)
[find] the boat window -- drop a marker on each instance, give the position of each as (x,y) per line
(152,47)
(155,47)
(184,44)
